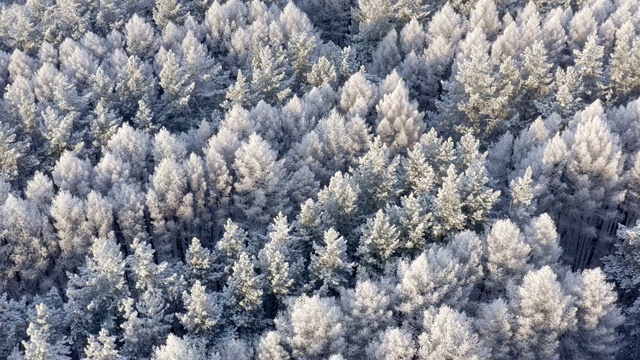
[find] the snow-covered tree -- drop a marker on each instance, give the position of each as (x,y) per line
(176,348)
(393,343)
(260,176)
(399,122)
(597,316)
(448,333)
(102,347)
(507,254)
(380,240)
(95,293)
(202,313)
(330,267)
(312,327)
(244,289)
(40,346)
(542,315)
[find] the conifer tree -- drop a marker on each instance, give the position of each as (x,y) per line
(95,293)
(260,177)
(146,322)
(447,212)
(393,343)
(589,66)
(102,347)
(597,316)
(447,333)
(330,267)
(380,240)
(39,346)
(313,327)
(244,289)
(507,254)
(270,80)
(202,313)
(399,122)
(199,261)
(542,315)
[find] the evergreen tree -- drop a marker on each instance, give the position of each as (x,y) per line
(542,315)
(260,176)
(447,212)
(202,314)
(507,254)
(94,294)
(440,275)
(244,290)
(367,310)
(597,317)
(102,347)
(270,80)
(167,11)
(145,324)
(589,66)
(380,240)
(39,346)
(399,122)
(330,267)
(448,333)
(176,348)
(313,327)
(542,237)
(322,72)
(270,347)
(393,343)
(494,324)
(199,261)
(358,94)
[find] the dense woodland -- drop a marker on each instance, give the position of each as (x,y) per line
(319,179)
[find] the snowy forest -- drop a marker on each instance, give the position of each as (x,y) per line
(319,179)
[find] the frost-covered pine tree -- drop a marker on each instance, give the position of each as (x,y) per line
(270,347)
(379,241)
(376,177)
(358,94)
(542,237)
(322,72)
(399,122)
(277,269)
(444,274)
(260,176)
(270,75)
(146,322)
(623,267)
(312,327)
(447,212)
(330,268)
(589,66)
(522,204)
(393,343)
(494,324)
(543,313)
(598,317)
(202,313)
(244,292)
(367,310)
(96,291)
(448,333)
(386,56)
(200,264)
(175,348)
(40,346)
(507,255)
(102,347)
